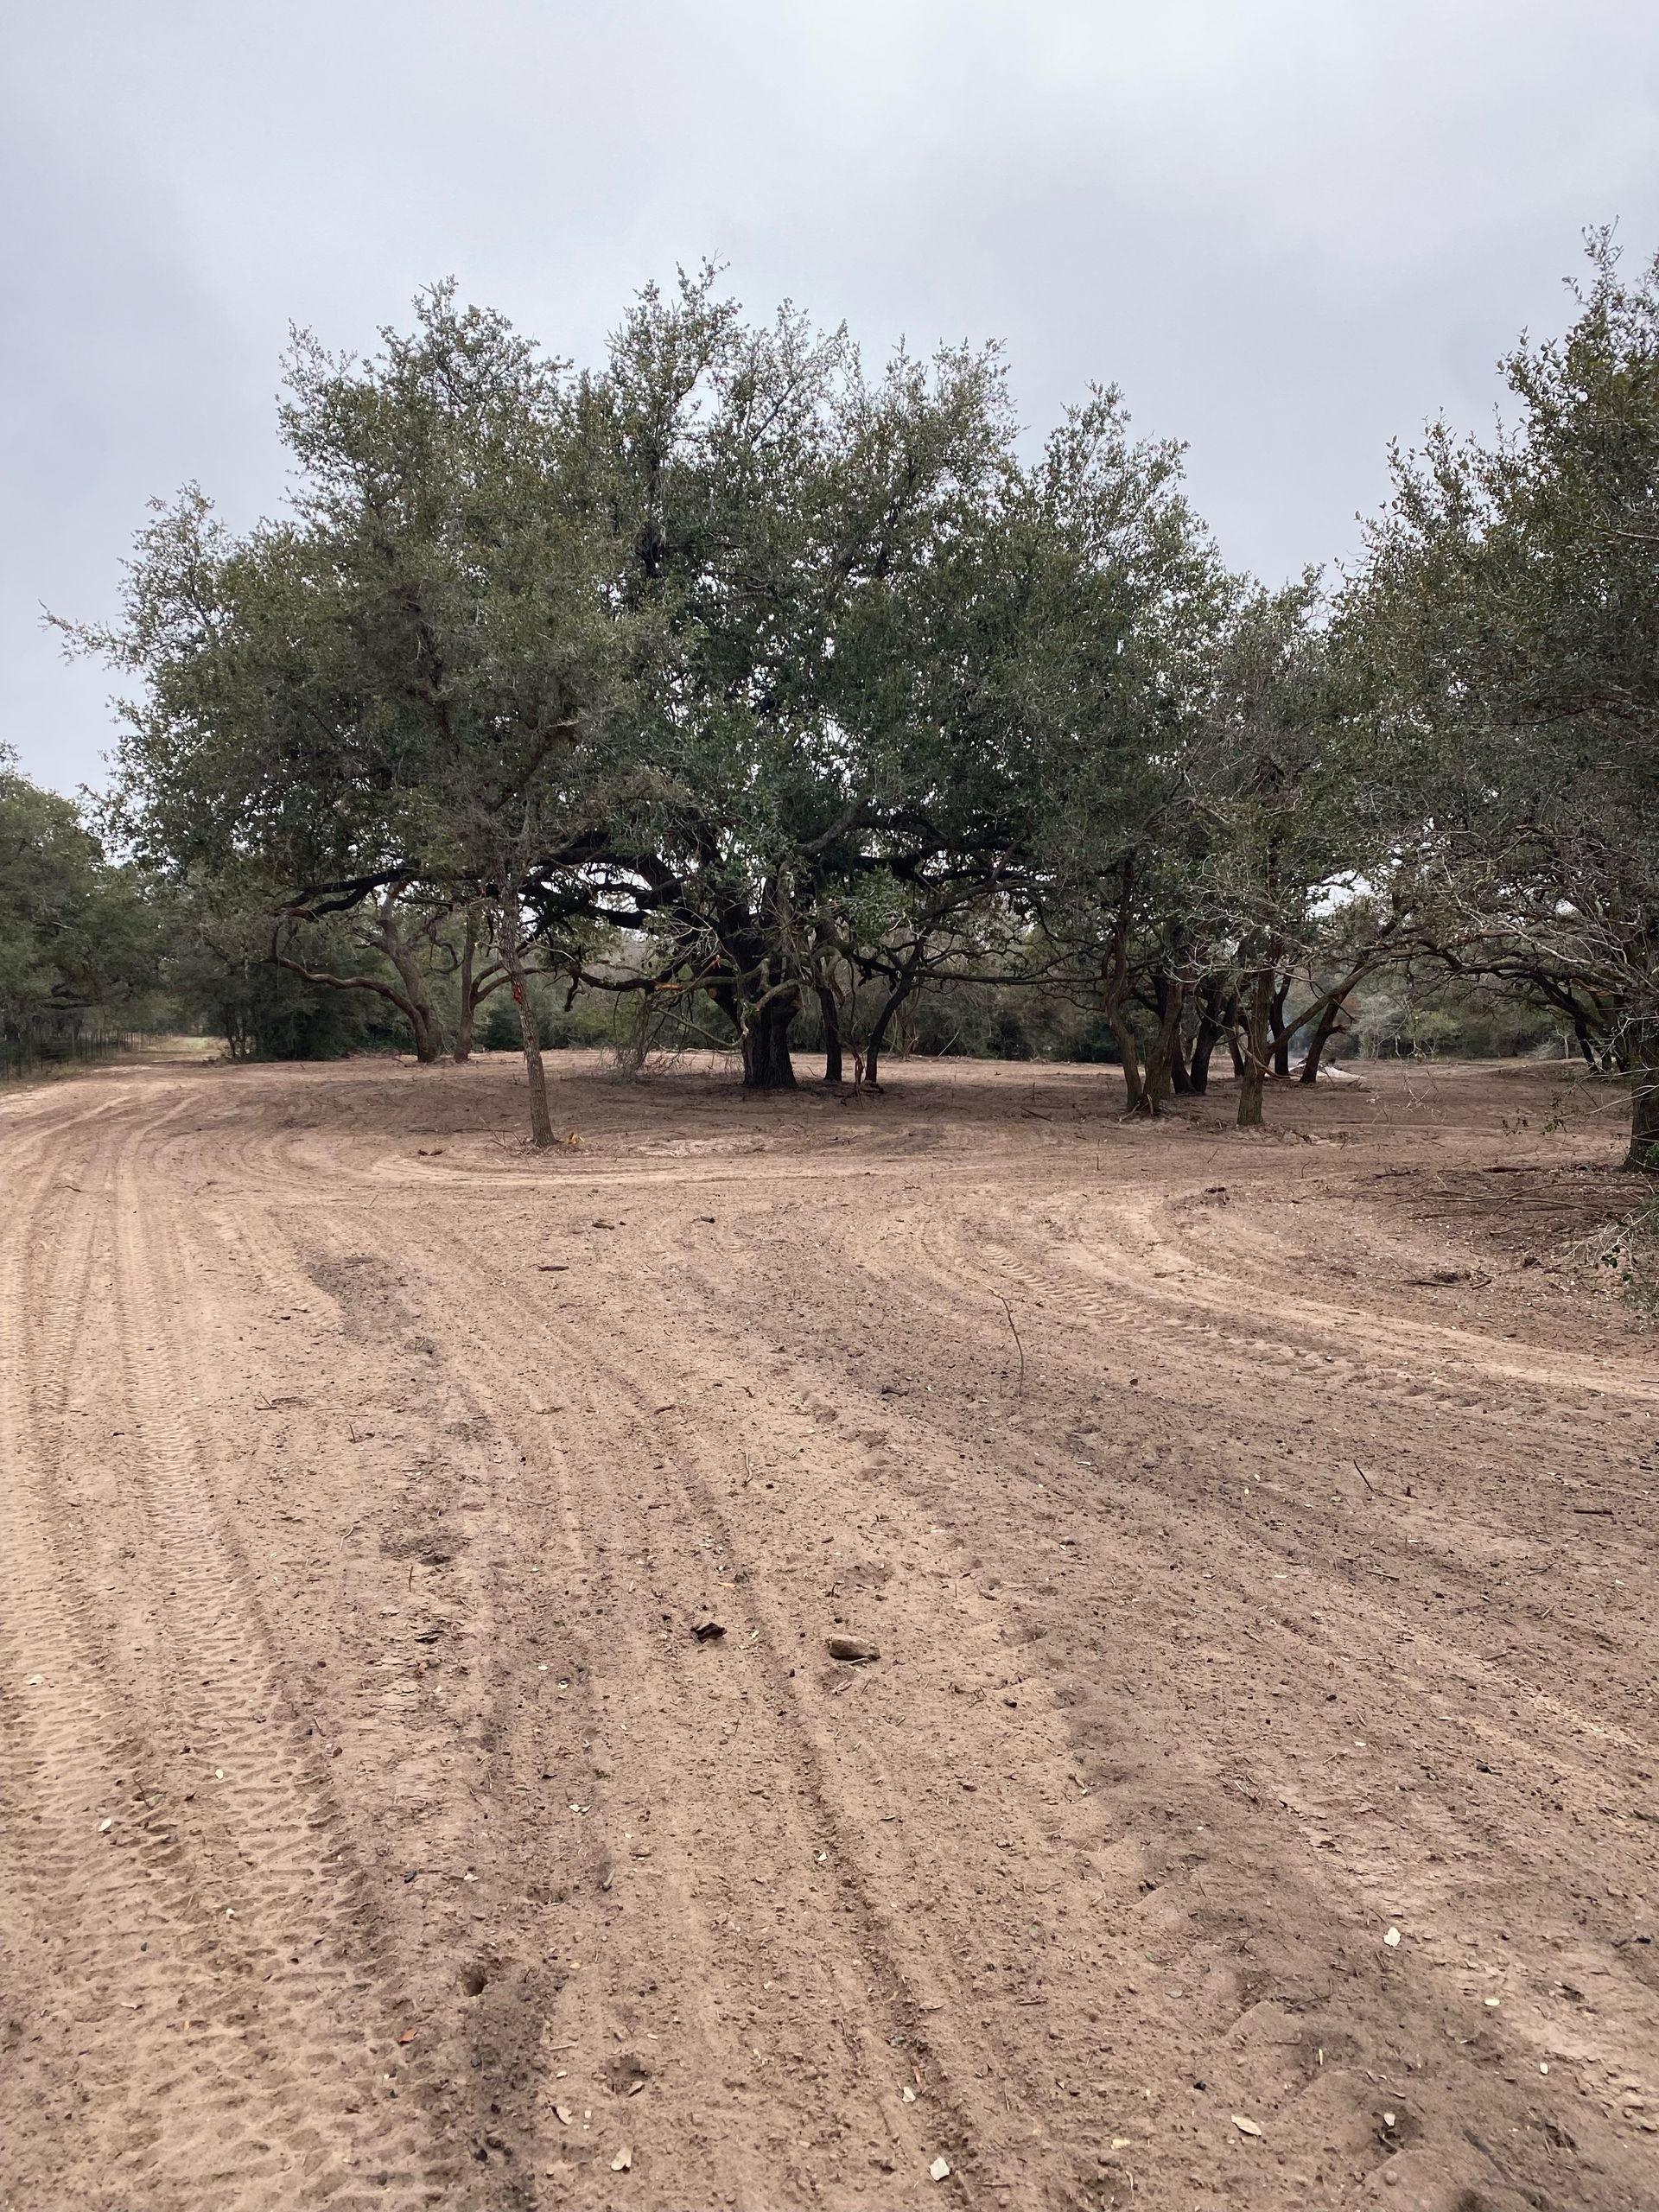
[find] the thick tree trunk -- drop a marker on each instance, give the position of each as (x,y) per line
(467,1027)
(766,1063)
(1643,1155)
(1254,1051)
(475,986)
(1166,1050)
(425,1029)
(1209,1036)
(541,1124)
(829,1013)
(1251,1086)
(1181,1071)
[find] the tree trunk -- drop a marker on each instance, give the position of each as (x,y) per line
(1175,1053)
(1206,1040)
(483,987)
(541,1124)
(872,1052)
(1276,1026)
(766,1063)
(1114,990)
(883,1022)
(830,1013)
(1129,1051)
(419,1011)
(1166,1051)
(1251,1085)
(473,991)
(412,1013)
(1324,1030)
(1643,1155)
(1254,1051)
(461,1047)
(1181,1071)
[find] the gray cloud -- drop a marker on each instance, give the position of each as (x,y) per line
(1289,230)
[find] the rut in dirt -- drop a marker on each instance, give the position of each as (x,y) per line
(184,1869)
(388,1477)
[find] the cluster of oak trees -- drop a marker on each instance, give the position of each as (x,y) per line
(808,684)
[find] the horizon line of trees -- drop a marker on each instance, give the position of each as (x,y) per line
(730,679)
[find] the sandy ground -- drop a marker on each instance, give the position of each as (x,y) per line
(1253,1803)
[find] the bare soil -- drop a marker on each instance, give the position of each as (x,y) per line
(1253,1801)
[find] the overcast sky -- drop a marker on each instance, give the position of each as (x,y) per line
(1290,229)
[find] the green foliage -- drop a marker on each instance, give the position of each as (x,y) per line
(746,687)
(361,693)
(591,1021)
(1502,648)
(221,980)
(1424,1016)
(81,939)
(785,666)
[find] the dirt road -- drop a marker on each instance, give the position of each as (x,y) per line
(1253,1803)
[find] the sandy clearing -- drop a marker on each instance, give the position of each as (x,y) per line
(376,1831)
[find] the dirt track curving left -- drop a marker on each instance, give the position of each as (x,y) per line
(1258,1563)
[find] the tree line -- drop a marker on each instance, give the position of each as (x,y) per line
(735,679)
(82,937)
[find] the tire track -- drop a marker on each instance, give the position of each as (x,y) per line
(224,1920)
(303,1928)
(1359,1650)
(689,1737)
(1091,1860)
